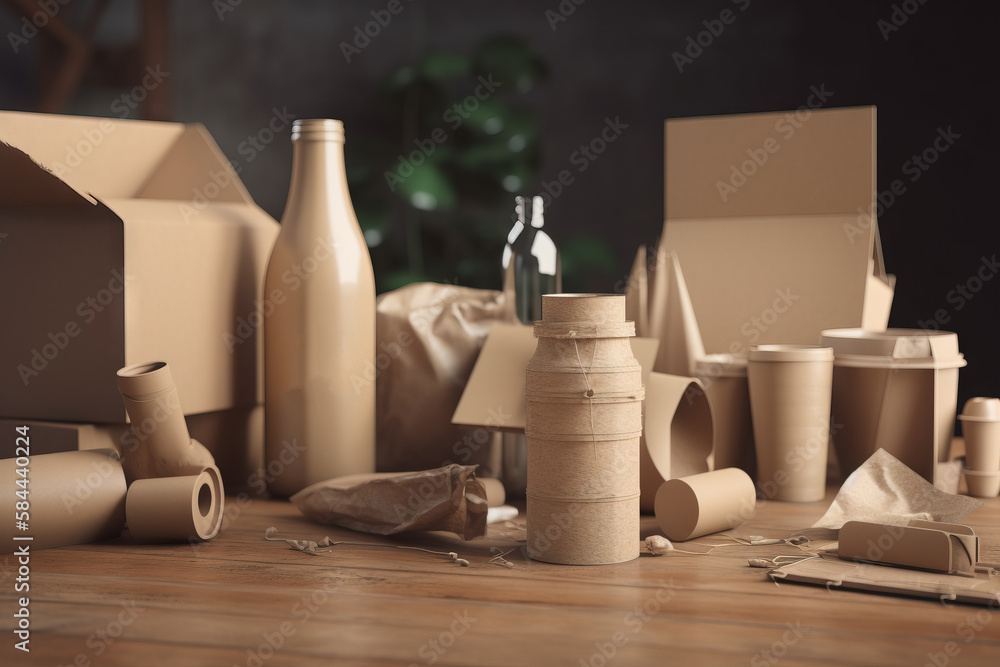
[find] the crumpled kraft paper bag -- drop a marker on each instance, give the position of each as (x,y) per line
(429,336)
(448,498)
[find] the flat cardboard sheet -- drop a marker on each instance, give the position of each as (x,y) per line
(497,383)
(836,573)
(769,214)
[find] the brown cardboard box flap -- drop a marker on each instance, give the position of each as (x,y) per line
(128,241)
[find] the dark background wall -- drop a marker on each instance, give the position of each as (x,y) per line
(229,69)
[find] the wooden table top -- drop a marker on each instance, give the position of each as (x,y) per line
(240,600)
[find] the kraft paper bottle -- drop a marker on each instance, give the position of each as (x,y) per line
(319,339)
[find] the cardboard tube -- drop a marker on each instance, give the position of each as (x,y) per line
(157,422)
(74,498)
(707,503)
(179,509)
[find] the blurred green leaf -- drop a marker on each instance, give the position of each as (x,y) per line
(443,66)
(426,188)
(585,253)
(510,60)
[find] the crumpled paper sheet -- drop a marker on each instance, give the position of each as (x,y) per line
(884,490)
(449,499)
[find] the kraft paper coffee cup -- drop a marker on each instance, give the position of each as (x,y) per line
(790,391)
(981,429)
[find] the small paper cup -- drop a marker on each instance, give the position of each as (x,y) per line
(983,484)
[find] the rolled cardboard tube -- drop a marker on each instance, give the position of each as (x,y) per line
(168,509)
(157,422)
(698,505)
(75,498)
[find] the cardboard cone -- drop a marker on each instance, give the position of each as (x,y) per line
(658,288)
(693,506)
(637,294)
(677,435)
(681,345)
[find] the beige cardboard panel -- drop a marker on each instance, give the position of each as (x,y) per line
(821,163)
(195,167)
(200,336)
(775,280)
(835,573)
(63,278)
(498,379)
(110,158)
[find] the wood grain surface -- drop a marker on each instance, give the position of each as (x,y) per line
(241,600)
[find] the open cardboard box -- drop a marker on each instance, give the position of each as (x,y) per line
(772,216)
(123,242)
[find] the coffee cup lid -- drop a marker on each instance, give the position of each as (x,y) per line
(981,408)
(894,348)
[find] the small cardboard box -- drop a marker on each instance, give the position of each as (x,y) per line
(773,218)
(122,242)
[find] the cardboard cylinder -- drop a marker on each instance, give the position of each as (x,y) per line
(583,435)
(586,471)
(176,509)
(154,409)
(897,390)
(790,389)
(725,380)
(74,498)
(693,506)
(578,532)
(982,484)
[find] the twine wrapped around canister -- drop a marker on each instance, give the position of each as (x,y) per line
(583,406)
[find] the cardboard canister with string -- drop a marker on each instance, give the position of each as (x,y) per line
(583,421)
